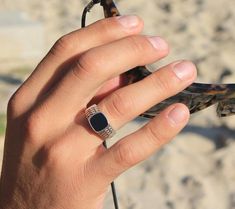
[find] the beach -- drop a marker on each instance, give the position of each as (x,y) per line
(196,170)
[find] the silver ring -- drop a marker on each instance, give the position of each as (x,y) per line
(99,123)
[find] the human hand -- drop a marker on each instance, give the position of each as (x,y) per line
(52,158)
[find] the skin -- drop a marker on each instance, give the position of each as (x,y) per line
(52,158)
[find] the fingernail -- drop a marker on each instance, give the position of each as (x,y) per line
(128,21)
(177,114)
(184,70)
(158,43)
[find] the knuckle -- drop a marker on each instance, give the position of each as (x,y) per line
(30,127)
(33,128)
(63,44)
(120,105)
(155,137)
(161,82)
(53,155)
(15,103)
(79,69)
(124,155)
(138,44)
(88,65)
(12,104)
(106,25)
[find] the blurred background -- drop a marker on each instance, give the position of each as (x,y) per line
(197,169)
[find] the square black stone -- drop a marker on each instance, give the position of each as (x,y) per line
(98,122)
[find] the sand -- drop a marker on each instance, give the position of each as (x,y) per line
(197,169)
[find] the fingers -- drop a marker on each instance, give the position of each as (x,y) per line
(128,102)
(141,144)
(100,64)
(68,48)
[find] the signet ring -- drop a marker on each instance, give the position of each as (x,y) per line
(99,123)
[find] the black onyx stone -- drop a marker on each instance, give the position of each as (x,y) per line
(98,122)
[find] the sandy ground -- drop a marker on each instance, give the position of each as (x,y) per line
(197,169)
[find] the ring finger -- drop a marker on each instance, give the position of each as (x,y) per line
(128,102)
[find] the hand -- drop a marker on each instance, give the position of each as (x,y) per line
(52,158)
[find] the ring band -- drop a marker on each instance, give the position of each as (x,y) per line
(99,123)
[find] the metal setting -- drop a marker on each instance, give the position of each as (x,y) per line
(107,131)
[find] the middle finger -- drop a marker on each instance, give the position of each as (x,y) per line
(98,65)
